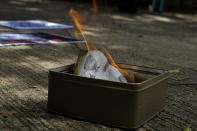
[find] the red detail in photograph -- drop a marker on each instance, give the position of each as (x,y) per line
(20,41)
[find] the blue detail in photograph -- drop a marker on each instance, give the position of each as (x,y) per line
(8,39)
(33,24)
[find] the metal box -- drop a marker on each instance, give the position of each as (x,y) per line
(124,105)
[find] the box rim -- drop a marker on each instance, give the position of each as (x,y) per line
(136,87)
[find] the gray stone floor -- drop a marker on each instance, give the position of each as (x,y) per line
(167,41)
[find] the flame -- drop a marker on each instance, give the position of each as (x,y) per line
(75,18)
(93,47)
(112,62)
(94,6)
(76,32)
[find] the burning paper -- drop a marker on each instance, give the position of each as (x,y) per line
(94,64)
(99,64)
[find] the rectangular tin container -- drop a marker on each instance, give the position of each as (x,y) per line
(124,105)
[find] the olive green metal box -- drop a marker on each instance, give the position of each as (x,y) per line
(124,105)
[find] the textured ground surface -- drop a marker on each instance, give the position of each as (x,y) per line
(167,42)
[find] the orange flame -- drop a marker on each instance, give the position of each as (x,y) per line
(112,62)
(75,17)
(94,6)
(76,32)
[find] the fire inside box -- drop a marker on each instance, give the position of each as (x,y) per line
(97,89)
(125,105)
